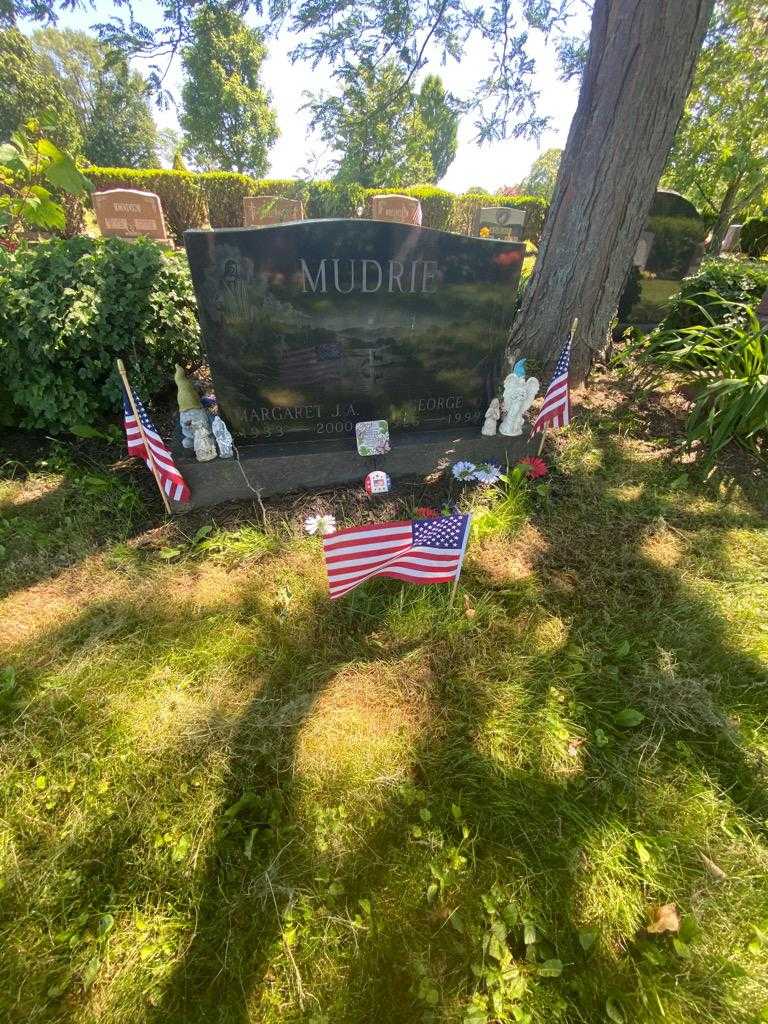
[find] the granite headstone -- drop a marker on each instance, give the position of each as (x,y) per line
(314,326)
(398,209)
(501,221)
(129,213)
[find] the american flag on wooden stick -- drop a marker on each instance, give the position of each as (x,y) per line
(417,551)
(556,410)
(168,476)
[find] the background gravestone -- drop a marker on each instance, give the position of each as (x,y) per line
(262,210)
(128,213)
(313,326)
(732,238)
(643,249)
(502,221)
(397,209)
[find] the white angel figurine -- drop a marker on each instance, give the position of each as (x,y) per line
(519,394)
(492,417)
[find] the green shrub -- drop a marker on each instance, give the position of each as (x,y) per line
(329,199)
(704,297)
(70,308)
(436,203)
(728,364)
(675,241)
(754,237)
(465,206)
(224,192)
(180,192)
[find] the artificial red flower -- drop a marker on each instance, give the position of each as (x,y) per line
(427,513)
(536,467)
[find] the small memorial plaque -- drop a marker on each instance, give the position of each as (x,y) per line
(377,482)
(313,327)
(128,213)
(262,210)
(398,209)
(372,437)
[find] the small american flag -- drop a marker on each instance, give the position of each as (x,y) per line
(173,483)
(417,551)
(556,411)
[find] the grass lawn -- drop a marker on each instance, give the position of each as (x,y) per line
(657,291)
(227,799)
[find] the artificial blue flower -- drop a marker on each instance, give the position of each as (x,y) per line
(464,471)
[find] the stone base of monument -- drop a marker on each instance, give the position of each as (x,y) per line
(269,469)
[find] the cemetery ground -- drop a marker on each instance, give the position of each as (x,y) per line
(226,798)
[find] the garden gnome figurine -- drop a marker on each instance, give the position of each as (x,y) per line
(191,413)
(224,441)
(492,417)
(193,418)
(519,394)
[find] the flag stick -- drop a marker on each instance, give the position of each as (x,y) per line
(461,563)
(545,428)
(147,449)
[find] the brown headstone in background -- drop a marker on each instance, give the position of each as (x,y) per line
(262,210)
(399,209)
(128,213)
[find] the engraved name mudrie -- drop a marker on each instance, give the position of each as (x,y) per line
(368,276)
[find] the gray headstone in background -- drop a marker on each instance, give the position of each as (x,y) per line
(762,310)
(129,213)
(643,249)
(259,211)
(732,239)
(396,209)
(503,221)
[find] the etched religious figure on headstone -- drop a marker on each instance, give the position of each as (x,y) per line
(129,213)
(262,210)
(398,209)
(501,221)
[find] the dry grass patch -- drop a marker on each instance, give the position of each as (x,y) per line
(506,561)
(366,723)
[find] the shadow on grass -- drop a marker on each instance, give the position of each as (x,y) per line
(529,826)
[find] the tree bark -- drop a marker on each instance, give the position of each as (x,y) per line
(642,54)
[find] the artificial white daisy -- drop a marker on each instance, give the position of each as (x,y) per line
(323,525)
(464,471)
(487,473)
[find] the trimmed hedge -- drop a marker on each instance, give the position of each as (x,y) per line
(70,307)
(192,200)
(181,193)
(754,237)
(675,241)
(723,279)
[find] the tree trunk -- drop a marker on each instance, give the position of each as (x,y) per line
(723,219)
(642,55)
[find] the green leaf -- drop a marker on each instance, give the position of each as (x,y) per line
(63,173)
(623,649)
(551,969)
(587,938)
(41,782)
(8,154)
(614,1011)
(643,854)
(629,718)
(681,948)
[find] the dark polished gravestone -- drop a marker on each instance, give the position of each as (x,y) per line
(313,326)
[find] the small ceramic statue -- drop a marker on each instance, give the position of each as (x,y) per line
(193,419)
(224,441)
(205,446)
(492,417)
(519,394)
